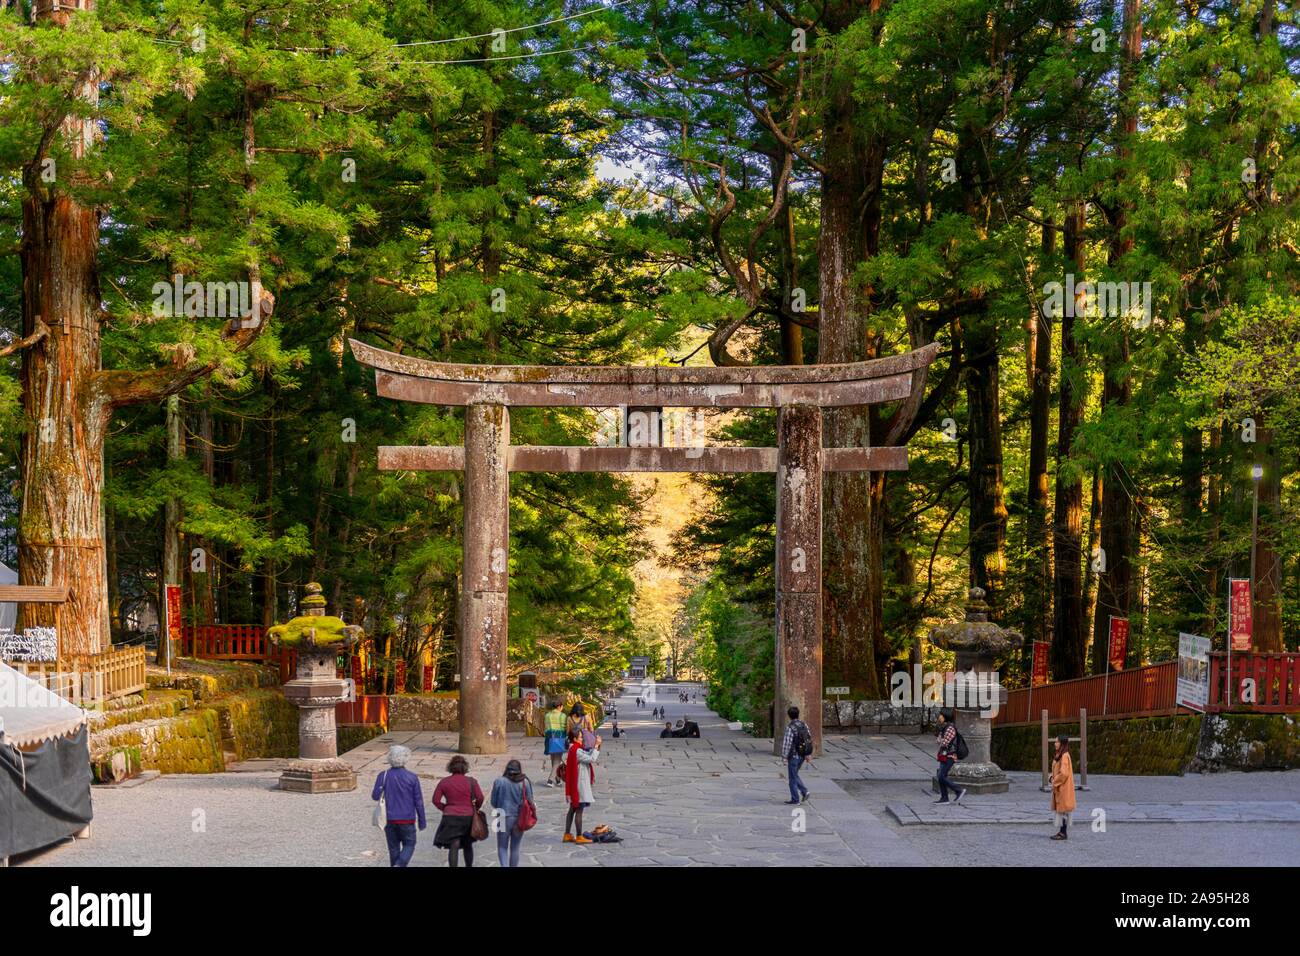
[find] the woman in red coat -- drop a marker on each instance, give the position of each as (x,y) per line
(579,775)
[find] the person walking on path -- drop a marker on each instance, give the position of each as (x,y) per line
(1062,787)
(509,791)
(403,804)
(580,721)
(553,741)
(580,773)
(459,797)
(947,740)
(796,747)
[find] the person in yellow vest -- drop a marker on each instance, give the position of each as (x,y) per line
(1062,787)
(553,741)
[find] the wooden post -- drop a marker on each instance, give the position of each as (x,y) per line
(799,570)
(1045,787)
(485,580)
(1083,748)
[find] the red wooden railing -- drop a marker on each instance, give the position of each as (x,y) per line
(1153,691)
(1276,677)
(226,642)
(1138,692)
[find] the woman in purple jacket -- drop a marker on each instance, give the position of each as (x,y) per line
(404,803)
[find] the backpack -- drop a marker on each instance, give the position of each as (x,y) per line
(527,812)
(803,742)
(960,748)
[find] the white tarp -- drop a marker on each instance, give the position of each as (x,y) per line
(8,610)
(30,714)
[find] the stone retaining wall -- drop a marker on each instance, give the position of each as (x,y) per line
(412,712)
(256,723)
(1164,745)
(875,717)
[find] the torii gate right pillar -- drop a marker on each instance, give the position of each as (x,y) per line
(798,570)
(485,575)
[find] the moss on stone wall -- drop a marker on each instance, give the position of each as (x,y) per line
(188,743)
(1142,746)
(1251,742)
(352,736)
(204,679)
(256,723)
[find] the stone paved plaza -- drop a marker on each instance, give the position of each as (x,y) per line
(712,801)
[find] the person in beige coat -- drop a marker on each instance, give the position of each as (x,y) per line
(1062,787)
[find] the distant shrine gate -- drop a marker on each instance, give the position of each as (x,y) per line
(798,392)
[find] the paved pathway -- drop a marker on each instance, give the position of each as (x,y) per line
(1193,811)
(712,801)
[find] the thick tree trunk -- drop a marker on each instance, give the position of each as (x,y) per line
(1267,618)
(791,332)
(61,526)
(1038,352)
(1068,635)
(988,512)
(850,220)
(1115,584)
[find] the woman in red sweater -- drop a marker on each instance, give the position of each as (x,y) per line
(458,797)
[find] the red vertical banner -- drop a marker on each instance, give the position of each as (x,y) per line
(1040,663)
(400,685)
(1240,614)
(174,617)
(426,680)
(1118,646)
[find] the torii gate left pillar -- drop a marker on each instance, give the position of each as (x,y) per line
(485,580)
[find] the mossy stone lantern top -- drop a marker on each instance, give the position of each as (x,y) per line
(314,628)
(976,639)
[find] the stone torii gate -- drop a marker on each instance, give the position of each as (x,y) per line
(798,392)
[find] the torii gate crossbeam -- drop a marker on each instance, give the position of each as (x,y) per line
(799,393)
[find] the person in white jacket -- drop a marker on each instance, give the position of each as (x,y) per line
(579,776)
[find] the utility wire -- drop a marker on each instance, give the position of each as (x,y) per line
(532,26)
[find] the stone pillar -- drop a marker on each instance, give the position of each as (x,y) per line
(799,569)
(484,602)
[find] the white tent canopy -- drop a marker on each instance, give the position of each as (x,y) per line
(30,714)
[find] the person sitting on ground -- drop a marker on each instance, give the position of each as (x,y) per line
(691,729)
(667,731)
(679,728)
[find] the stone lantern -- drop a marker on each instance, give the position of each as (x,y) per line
(318,640)
(978,643)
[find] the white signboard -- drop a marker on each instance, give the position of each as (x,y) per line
(836,691)
(1193,671)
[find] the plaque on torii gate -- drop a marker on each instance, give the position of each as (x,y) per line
(798,392)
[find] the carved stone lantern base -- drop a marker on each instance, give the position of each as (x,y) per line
(318,776)
(976,777)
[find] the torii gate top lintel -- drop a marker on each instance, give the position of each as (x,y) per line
(413,379)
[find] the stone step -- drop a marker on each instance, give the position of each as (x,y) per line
(153,705)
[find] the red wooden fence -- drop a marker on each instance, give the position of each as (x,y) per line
(1138,692)
(226,642)
(1276,677)
(1153,691)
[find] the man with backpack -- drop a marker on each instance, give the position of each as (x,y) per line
(952,747)
(796,747)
